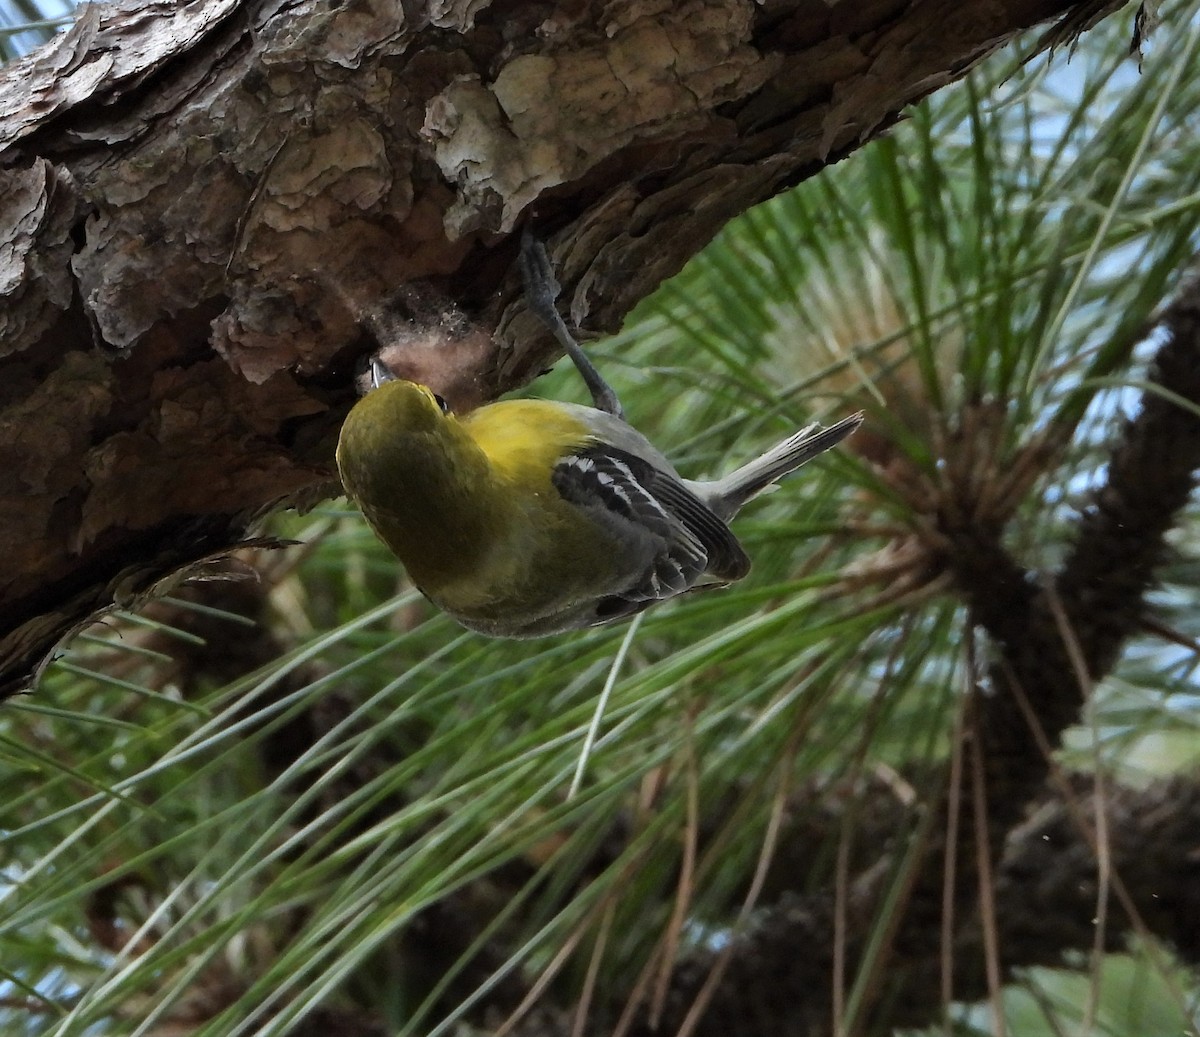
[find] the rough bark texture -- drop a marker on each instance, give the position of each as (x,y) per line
(210,209)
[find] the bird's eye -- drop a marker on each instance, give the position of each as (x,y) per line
(443,406)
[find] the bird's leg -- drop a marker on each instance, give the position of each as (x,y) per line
(541,291)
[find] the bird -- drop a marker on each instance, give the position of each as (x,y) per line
(529,518)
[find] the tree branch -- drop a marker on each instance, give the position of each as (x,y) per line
(215,206)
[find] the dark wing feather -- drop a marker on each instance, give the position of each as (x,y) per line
(684,540)
(727,561)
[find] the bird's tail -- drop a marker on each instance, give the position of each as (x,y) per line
(727,494)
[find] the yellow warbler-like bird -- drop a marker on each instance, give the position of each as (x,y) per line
(531,517)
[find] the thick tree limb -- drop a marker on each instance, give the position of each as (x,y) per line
(205,204)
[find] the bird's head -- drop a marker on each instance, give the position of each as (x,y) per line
(396,426)
(406,406)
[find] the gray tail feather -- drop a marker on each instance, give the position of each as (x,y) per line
(727,494)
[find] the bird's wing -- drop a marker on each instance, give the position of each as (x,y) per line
(658,516)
